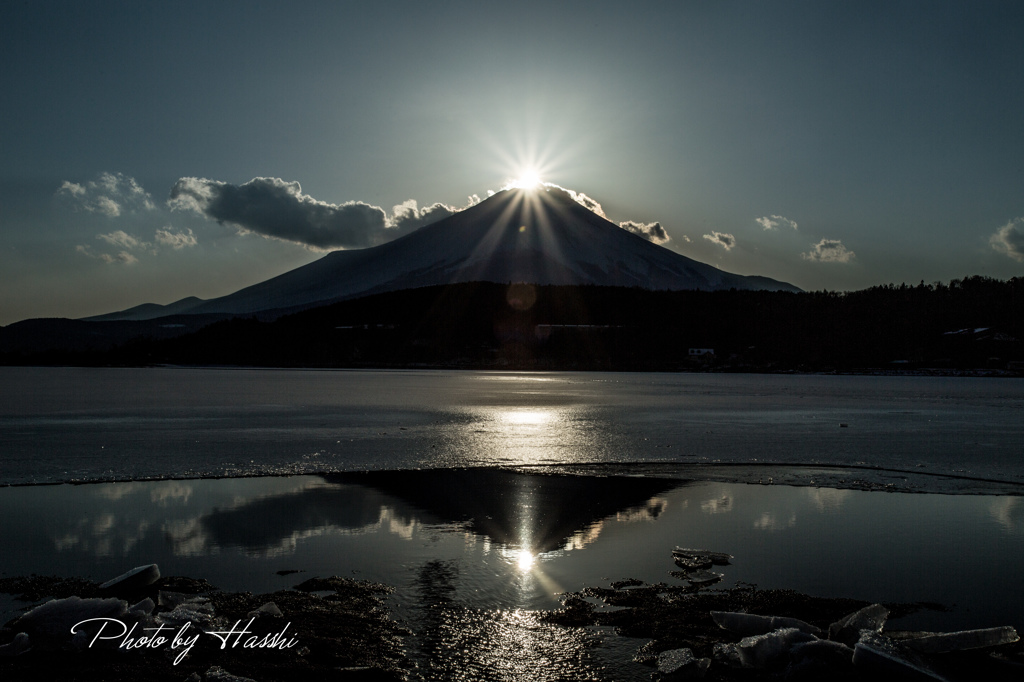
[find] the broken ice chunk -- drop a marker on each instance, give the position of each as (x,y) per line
(819,655)
(19,645)
(680,664)
(134,580)
(703,577)
(142,608)
(720,558)
(881,654)
(49,625)
(848,628)
(728,654)
(760,651)
(944,642)
(198,612)
(746,624)
(692,563)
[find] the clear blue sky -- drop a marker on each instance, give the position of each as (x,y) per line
(876,141)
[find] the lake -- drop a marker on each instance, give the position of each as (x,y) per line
(511,488)
(82,424)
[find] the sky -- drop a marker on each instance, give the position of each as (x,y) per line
(154,151)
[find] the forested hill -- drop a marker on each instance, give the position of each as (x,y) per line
(971,323)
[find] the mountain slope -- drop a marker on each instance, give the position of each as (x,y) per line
(539,236)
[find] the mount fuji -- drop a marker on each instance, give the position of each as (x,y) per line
(539,236)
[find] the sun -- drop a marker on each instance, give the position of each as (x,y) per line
(528,179)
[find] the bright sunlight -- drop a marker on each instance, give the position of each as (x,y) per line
(528,179)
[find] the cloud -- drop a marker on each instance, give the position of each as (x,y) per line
(122,239)
(580,198)
(111,194)
(175,240)
(122,257)
(407,217)
(277,209)
(723,239)
(829,251)
(127,243)
(586,202)
(1009,239)
(652,232)
(773,222)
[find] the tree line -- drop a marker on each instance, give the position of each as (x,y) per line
(976,322)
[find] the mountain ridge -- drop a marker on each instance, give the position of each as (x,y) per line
(540,236)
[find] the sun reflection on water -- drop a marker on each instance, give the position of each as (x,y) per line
(525,560)
(527,417)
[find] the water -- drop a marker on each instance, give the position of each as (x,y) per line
(516,541)
(75,424)
(472,569)
(377,489)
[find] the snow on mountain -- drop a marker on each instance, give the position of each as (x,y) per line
(540,236)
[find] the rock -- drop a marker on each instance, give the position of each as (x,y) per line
(944,642)
(168,599)
(880,654)
(680,664)
(268,609)
(49,625)
(747,624)
(848,629)
(770,648)
(131,582)
(219,674)
(19,645)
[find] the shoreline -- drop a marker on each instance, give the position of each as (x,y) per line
(947,372)
(816,475)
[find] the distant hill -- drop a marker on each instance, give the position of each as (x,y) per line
(151,311)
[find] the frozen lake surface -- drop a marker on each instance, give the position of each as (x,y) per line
(80,424)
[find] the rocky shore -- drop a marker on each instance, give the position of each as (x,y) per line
(145,626)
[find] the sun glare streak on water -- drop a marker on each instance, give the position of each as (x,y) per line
(528,435)
(527,417)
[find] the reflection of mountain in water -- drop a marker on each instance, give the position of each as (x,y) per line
(272,521)
(538,511)
(541,511)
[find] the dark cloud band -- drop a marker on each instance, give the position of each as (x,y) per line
(275,208)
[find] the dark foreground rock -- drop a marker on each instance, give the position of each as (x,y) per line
(749,634)
(339,629)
